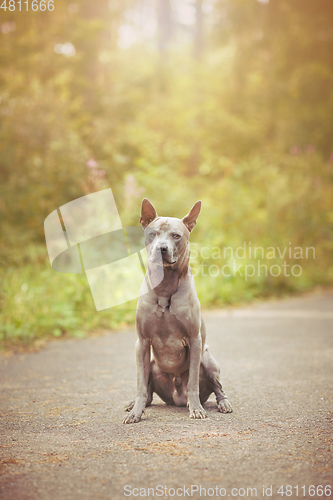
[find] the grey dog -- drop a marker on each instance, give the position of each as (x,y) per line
(172,358)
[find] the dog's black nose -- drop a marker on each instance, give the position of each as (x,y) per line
(164,249)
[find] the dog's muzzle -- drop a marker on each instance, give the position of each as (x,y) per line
(161,256)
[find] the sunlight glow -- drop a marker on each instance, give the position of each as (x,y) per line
(67,49)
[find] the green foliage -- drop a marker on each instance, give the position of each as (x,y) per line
(37,302)
(247,129)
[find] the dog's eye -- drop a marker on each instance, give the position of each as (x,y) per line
(176,236)
(152,235)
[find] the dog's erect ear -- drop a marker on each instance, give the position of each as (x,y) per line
(148,213)
(190,219)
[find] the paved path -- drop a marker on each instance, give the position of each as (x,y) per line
(62,408)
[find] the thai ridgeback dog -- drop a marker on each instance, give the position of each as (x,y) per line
(172,358)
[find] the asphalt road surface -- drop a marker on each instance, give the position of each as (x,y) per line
(62,436)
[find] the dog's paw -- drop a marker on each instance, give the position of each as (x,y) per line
(224,406)
(130,406)
(132,417)
(198,412)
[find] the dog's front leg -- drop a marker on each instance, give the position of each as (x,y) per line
(196,410)
(142,349)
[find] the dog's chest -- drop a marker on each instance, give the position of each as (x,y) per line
(169,317)
(163,324)
(169,341)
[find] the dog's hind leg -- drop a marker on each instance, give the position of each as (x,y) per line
(212,371)
(150,389)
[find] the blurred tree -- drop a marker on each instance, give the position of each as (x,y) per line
(198,33)
(164,25)
(283,67)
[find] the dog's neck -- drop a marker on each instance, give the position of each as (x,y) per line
(169,284)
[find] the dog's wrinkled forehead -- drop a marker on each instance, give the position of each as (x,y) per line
(166,224)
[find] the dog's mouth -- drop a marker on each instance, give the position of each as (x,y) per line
(164,262)
(167,263)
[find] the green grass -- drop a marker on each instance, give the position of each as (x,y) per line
(38,302)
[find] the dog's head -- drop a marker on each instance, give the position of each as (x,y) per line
(166,238)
